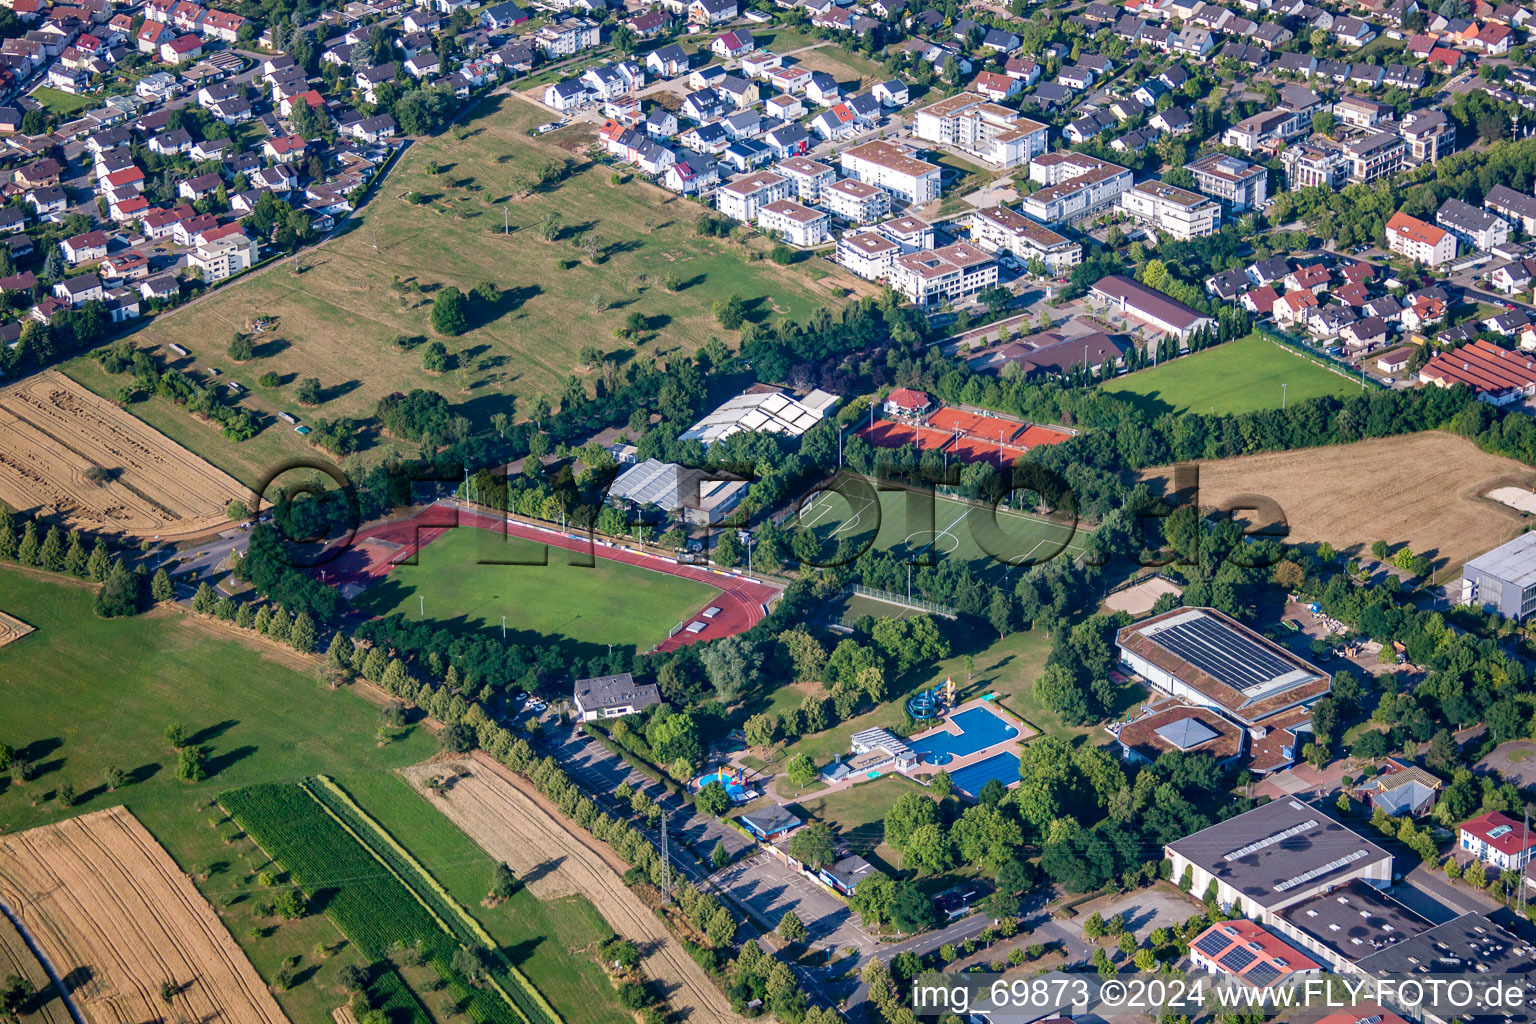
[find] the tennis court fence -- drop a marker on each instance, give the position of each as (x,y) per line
(916,604)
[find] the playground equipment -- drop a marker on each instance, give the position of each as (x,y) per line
(734,781)
(931,703)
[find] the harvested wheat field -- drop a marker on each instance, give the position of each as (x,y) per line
(104,901)
(45,1006)
(67,452)
(509,821)
(12,629)
(1427,491)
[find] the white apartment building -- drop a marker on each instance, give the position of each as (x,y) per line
(1001,229)
(994,133)
(894,169)
(743,197)
(937,276)
(1232,181)
(1308,165)
(224,257)
(856,202)
(1077,186)
(1375,156)
(1419,241)
(869,254)
(795,223)
(1172,210)
(807,177)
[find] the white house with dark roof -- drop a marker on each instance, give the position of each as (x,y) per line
(613,696)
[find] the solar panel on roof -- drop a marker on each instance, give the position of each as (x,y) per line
(1222,652)
(1262,975)
(1237,959)
(1213,943)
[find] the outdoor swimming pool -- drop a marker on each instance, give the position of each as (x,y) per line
(979,729)
(1003,767)
(735,790)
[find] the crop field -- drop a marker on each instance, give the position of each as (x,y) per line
(1352,495)
(492,806)
(264,718)
(921,525)
(1243,375)
(358,293)
(106,903)
(609,602)
(45,1005)
(55,436)
(368,901)
(12,629)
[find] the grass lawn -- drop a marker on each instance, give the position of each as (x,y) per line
(858,813)
(64,104)
(1241,376)
(82,694)
(339,320)
(589,608)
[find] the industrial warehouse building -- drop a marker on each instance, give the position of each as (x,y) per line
(1275,856)
(1503,580)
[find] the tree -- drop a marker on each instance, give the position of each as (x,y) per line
(712,799)
(930,849)
(731,313)
(719,857)
(910,908)
(192,764)
(308,391)
(732,666)
(449,313)
(114,777)
(15,995)
(176,735)
(791,928)
(302,635)
(160,586)
(910,812)
(119,594)
(813,845)
(241,348)
(728,550)
(760,729)
(801,770)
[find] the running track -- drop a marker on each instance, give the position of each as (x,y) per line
(741,601)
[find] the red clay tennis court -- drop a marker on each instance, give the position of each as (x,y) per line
(977,449)
(976,425)
(1034,436)
(889,434)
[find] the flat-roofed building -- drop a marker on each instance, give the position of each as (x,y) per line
(1470,945)
(1314,164)
(909,232)
(1267,131)
(1232,181)
(937,276)
(1375,156)
(894,169)
(743,197)
(795,223)
(1076,186)
(1503,580)
(856,202)
(1348,923)
(998,228)
(1428,134)
(808,177)
(1171,210)
(999,135)
(868,254)
(1276,856)
(1210,659)
(1181,727)
(1150,306)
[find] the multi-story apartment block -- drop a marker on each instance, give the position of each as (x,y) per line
(855,202)
(1001,229)
(568,36)
(1077,186)
(743,197)
(894,169)
(1237,184)
(996,134)
(1172,210)
(797,224)
(807,177)
(869,254)
(1477,227)
(1265,132)
(1313,164)
(937,276)
(1428,134)
(1375,156)
(1419,241)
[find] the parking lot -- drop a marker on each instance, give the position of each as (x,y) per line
(769,889)
(1144,910)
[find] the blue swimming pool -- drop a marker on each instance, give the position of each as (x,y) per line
(979,729)
(1003,767)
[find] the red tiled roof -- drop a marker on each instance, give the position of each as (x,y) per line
(1512,837)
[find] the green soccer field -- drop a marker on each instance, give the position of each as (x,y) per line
(1244,375)
(586,608)
(921,525)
